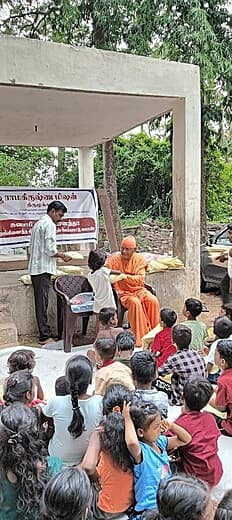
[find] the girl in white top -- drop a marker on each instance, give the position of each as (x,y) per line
(75,415)
(99,279)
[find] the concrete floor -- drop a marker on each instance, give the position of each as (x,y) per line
(50,364)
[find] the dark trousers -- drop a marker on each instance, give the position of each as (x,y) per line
(225,290)
(40,283)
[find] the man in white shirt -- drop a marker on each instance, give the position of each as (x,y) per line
(226,284)
(42,263)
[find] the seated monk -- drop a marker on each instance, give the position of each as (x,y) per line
(143,307)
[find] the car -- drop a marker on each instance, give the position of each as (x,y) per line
(213,273)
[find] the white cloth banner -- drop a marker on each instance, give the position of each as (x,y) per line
(20,208)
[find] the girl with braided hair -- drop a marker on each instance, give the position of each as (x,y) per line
(66,496)
(75,415)
(24,470)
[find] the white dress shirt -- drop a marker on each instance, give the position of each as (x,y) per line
(43,247)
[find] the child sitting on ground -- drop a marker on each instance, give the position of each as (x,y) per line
(24,359)
(226,310)
(67,495)
(148,448)
(99,279)
(200,456)
(108,322)
(111,371)
(108,458)
(183,364)
(223,399)
(162,345)
(23,469)
(107,328)
(143,369)
(125,343)
(224,509)
(222,330)
(192,309)
(183,498)
(19,388)
(61,386)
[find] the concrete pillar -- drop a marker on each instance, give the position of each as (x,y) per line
(186,187)
(85,166)
(86,180)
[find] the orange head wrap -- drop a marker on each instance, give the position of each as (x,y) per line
(129,242)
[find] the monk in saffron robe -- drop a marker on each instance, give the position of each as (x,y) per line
(143,307)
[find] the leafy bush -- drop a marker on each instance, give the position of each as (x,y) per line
(218,185)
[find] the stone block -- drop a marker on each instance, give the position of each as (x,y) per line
(8,329)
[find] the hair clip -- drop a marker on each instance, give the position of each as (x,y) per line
(116,409)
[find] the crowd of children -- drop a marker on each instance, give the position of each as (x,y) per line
(97,455)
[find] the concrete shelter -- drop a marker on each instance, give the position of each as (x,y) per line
(61,95)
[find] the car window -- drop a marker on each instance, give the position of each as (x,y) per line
(223,239)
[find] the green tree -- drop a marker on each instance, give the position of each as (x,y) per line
(198,32)
(144,174)
(26,166)
(219,185)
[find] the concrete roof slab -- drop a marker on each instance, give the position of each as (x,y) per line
(60,95)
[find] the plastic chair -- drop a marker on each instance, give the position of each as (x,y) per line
(66,287)
(121,309)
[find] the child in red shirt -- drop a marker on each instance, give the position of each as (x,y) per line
(223,399)
(199,457)
(162,345)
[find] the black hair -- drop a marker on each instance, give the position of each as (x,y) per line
(227,307)
(143,367)
(197,393)
(181,335)
(106,348)
(224,508)
(115,395)
(112,440)
(66,496)
(16,387)
(150,514)
(21,450)
(125,341)
(168,316)
(61,386)
(222,327)
(229,226)
(193,306)
(21,360)
(57,206)
(96,259)
(224,348)
(79,373)
(143,414)
(182,497)
(106,314)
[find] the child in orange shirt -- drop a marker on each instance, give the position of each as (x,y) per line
(108,458)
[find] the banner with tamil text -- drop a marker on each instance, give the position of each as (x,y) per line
(20,208)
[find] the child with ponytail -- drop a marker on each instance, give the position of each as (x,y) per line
(75,415)
(109,460)
(67,496)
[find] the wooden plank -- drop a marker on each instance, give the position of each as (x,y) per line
(108,220)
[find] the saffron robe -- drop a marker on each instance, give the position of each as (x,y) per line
(143,307)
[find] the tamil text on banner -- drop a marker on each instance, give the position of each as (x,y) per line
(20,208)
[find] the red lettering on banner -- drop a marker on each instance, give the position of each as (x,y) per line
(69,226)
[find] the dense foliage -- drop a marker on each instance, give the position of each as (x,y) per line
(192,31)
